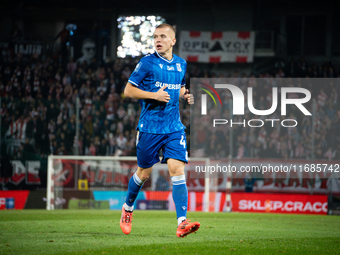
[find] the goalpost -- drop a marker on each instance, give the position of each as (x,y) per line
(70,173)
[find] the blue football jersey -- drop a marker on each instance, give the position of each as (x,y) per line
(151,73)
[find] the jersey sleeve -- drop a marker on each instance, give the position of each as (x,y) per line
(140,72)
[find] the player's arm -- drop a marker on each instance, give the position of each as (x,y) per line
(185,96)
(132,91)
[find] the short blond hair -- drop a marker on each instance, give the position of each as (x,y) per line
(165,25)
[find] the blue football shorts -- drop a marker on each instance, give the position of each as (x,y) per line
(173,145)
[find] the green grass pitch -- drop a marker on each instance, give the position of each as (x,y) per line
(154,232)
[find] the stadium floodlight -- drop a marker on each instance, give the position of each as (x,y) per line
(136,35)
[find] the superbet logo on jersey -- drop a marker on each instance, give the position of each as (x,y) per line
(169,86)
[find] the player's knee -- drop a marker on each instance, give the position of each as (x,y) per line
(176,167)
(144,176)
(176,171)
(143,173)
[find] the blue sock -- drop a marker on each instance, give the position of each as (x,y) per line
(135,184)
(180,195)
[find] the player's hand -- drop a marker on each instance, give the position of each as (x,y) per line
(189,98)
(162,95)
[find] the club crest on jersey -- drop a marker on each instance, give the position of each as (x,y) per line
(179,69)
(161,66)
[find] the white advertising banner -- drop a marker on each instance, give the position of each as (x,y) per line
(217,47)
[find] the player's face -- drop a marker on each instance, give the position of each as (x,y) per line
(164,40)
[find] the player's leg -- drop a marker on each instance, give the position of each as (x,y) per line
(179,188)
(175,154)
(135,184)
(147,156)
(180,196)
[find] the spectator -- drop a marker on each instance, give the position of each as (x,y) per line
(71,67)
(161,183)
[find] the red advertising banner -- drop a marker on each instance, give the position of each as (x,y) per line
(217,47)
(195,200)
(18,197)
(279,203)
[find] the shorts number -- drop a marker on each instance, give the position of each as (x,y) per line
(182,142)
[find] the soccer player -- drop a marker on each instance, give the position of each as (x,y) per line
(158,81)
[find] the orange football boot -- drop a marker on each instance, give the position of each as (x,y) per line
(186,228)
(125,221)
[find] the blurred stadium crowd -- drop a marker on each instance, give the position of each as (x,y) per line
(38,110)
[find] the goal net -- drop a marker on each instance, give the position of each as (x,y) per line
(101,182)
